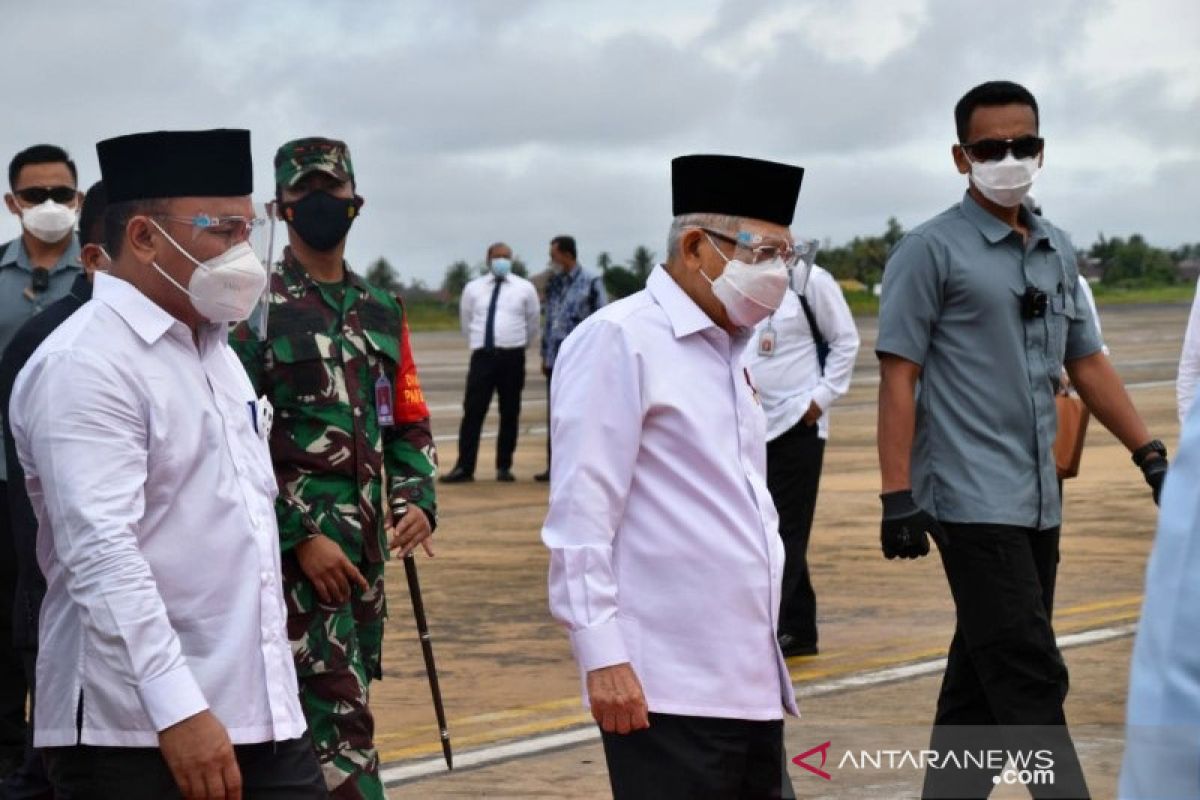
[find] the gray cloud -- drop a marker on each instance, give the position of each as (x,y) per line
(472,121)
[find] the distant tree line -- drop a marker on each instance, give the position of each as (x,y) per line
(1119,262)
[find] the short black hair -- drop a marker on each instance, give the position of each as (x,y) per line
(992,93)
(116,219)
(91,216)
(39,154)
(565,244)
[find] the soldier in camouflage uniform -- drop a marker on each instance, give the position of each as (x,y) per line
(350,436)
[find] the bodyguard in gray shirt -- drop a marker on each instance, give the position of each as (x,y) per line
(981,309)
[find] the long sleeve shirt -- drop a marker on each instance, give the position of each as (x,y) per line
(332,355)
(517,311)
(153,493)
(1162,733)
(664,541)
(789,378)
(1189,363)
(570,298)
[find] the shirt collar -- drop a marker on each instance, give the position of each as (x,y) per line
(995,230)
(685,316)
(15,253)
(147,319)
(298,281)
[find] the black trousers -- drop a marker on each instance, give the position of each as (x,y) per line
(793,475)
(13,690)
(270,771)
(693,758)
(500,371)
(29,781)
(548,377)
(1005,680)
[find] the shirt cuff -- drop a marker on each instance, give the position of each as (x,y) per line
(172,697)
(599,646)
(823,396)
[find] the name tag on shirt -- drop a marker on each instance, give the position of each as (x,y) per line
(383,402)
(766,342)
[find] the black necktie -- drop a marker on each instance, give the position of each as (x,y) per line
(489,335)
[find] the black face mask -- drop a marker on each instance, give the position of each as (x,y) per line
(320,219)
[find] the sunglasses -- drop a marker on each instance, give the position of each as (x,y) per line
(996,149)
(36,195)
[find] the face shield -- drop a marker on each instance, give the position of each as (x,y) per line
(806,256)
(262,241)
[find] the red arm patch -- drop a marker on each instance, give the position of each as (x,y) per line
(410,399)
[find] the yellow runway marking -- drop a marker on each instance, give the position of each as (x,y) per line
(803,669)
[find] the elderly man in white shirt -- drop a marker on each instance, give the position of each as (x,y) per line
(499,314)
(801,359)
(164,664)
(665,557)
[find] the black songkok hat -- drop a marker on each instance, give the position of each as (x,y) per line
(145,166)
(739,187)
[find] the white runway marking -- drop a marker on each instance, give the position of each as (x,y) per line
(544,743)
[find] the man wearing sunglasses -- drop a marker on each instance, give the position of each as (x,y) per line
(981,310)
(36,269)
(665,556)
(349,415)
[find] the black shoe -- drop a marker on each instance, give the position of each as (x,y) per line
(505,476)
(542,477)
(791,646)
(457,475)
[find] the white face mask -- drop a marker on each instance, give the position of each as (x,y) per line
(225,288)
(1005,182)
(50,221)
(749,292)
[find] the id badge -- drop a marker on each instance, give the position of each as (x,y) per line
(766,342)
(383,402)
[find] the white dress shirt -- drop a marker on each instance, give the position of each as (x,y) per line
(790,379)
(1085,289)
(664,542)
(1162,734)
(156,531)
(1189,363)
(517,311)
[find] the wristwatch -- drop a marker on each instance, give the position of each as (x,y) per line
(1152,446)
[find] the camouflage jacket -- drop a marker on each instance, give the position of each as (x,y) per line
(320,366)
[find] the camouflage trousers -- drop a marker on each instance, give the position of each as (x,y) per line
(337,653)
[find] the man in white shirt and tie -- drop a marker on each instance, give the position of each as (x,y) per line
(665,557)
(801,359)
(499,313)
(164,665)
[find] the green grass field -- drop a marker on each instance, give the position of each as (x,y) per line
(433,316)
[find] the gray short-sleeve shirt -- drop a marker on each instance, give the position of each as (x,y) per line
(986,419)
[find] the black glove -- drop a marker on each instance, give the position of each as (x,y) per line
(1155,470)
(902,532)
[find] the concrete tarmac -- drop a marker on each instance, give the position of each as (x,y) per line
(511,686)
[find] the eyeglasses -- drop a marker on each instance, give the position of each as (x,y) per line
(754,248)
(996,149)
(233,228)
(36,195)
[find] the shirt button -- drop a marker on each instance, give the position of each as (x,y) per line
(266,578)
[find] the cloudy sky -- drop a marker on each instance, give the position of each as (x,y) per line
(476,120)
